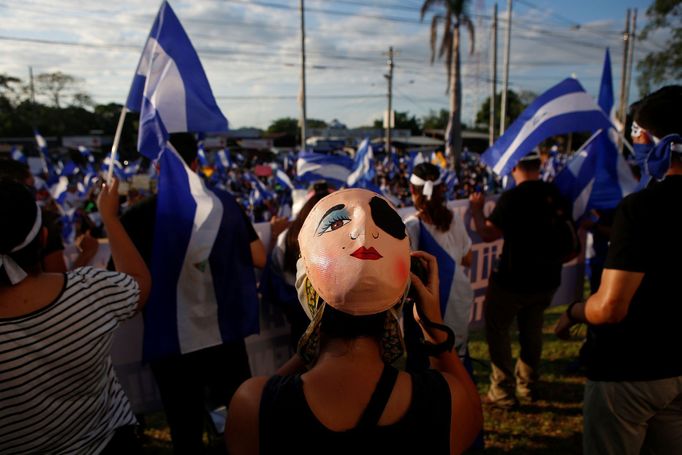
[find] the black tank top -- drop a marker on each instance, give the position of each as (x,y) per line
(287,425)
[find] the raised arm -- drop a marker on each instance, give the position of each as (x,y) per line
(125,256)
(467,415)
(484,227)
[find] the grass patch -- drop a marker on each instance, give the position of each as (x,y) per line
(552,424)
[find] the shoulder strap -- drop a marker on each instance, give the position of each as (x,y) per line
(379,398)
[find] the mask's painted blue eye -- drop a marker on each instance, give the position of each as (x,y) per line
(333,221)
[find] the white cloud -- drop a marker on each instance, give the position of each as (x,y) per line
(253,51)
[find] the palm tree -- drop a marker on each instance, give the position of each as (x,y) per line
(454,15)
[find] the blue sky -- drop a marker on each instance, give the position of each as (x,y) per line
(250,50)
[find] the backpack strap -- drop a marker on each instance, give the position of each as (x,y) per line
(377,403)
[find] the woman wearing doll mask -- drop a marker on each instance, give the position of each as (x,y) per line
(353,276)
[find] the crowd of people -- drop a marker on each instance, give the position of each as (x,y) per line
(363,290)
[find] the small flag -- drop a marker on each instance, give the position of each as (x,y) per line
(363,166)
(312,166)
(564,108)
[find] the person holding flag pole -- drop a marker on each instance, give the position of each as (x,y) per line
(197,241)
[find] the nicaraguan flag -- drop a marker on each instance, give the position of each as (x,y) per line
(576,181)
(312,166)
(69,169)
(17,155)
(170,89)
(201,154)
(363,166)
(204,289)
(613,179)
(446,265)
(45,156)
(223,161)
(562,109)
(283,179)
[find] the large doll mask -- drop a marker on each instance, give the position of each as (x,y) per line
(356,252)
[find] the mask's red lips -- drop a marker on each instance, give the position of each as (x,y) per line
(366,254)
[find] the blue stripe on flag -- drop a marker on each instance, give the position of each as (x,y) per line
(446,265)
(312,166)
(175,92)
(175,211)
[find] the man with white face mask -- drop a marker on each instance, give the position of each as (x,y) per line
(633,396)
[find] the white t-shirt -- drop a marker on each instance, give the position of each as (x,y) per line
(457,243)
(58,390)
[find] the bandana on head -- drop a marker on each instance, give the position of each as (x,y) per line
(15,273)
(427,184)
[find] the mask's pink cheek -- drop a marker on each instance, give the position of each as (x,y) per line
(401,270)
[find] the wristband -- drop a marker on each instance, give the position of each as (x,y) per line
(569,315)
(432,349)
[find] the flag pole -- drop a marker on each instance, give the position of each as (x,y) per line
(114,146)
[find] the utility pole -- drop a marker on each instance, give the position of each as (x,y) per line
(31,88)
(631,52)
(389,117)
(302,94)
(623,78)
(505,84)
(493,96)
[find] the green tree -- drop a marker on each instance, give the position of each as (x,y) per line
(666,64)
(284,125)
(436,120)
(315,123)
(403,121)
(454,16)
(53,85)
(516,103)
(10,88)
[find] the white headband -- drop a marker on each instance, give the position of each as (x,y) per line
(12,269)
(427,184)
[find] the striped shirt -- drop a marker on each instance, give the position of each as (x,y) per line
(58,390)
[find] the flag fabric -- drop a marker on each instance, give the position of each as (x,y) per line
(363,165)
(223,161)
(334,169)
(170,89)
(69,169)
(446,264)
(201,153)
(564,108)
(48,169)
(613,179)
(214,297)
(576,181)
(17,155)
(207,292)
(283,179)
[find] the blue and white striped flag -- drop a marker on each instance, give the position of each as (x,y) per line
(334,169)
(201,154)
(223,161)
(614,179)
(576,181)
(283,179)
(45,156)
(17,155)
(363,166)
(562,109)
(204,289)
(170,89)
